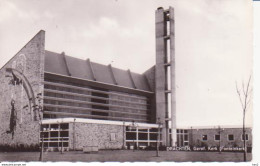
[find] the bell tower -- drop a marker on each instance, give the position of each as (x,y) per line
(165,91)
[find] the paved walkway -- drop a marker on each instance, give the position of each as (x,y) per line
(126,155)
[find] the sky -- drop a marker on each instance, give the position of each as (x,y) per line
(256,113)
(213,45)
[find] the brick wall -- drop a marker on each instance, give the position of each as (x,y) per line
(86,134)
(196,138)
(20,79)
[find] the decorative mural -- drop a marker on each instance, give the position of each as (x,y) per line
(12,119)
(19,83)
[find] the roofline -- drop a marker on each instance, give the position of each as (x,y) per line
(136,91)
(107,122)
(122,123)
(21,49)
(213,127)
(100,63)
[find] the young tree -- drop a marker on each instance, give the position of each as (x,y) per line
(219,131)
(244,94)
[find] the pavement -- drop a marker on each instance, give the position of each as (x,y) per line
(126,155)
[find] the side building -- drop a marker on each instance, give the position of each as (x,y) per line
(228,138)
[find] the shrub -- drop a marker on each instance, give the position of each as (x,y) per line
(150,148)
(19,148)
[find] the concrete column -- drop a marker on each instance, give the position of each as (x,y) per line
(58,135)
(137,138)
(160,72)
(148,136)
(173,85)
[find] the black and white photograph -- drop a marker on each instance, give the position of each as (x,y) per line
(126,81)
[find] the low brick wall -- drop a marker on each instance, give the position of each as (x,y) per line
(101,135)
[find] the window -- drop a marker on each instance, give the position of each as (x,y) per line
(55,135)
(186,137)
(217,137)
(130,128)
(142,130)
(142,136)
(231,137)
(64,133)
(153,130)
(204,137)
(45,135)
(98,104)
(153,136)
(45,127)
(242,137)
(54,127)
(182,137)
(64,126)
(131,136)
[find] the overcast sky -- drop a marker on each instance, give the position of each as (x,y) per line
(213,45)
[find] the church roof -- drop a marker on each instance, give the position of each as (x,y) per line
(85,69)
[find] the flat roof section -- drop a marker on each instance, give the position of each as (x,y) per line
(107,122)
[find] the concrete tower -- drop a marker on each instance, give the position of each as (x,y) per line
(165,74)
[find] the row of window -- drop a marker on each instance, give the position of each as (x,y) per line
(55,135)
(182,137)
(230,137)
(86,90)
(96,103)
(141,137)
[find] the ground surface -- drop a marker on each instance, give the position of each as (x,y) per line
(125,155)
